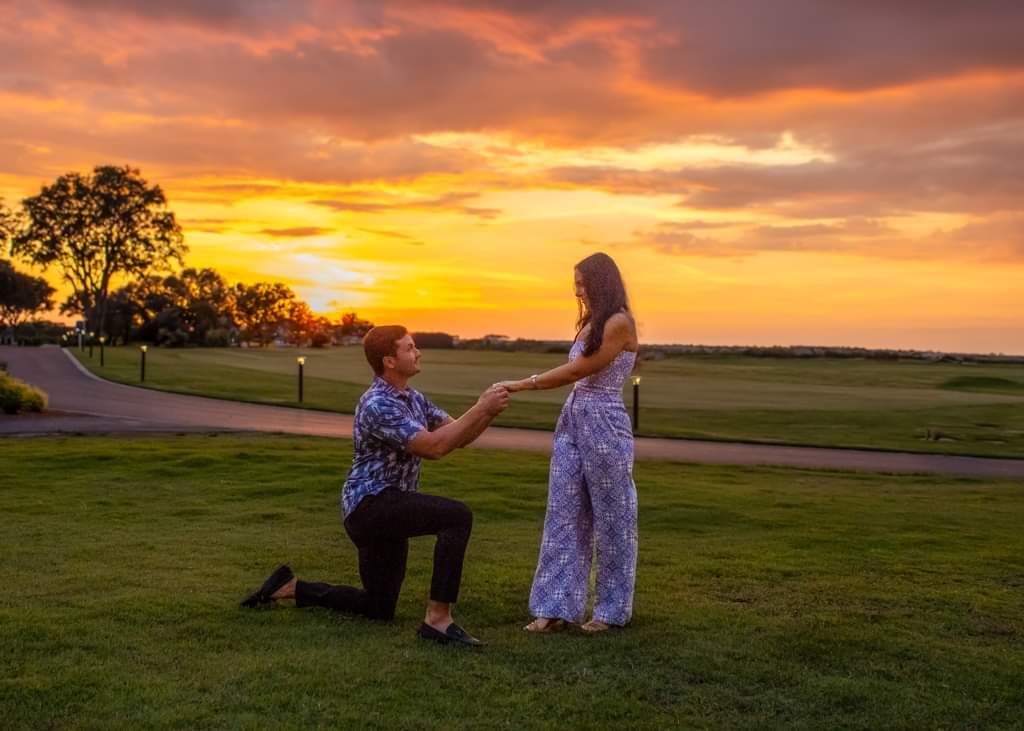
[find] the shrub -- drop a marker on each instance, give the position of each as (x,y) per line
(17,396)
(217,337)
(169,338)
(319,340)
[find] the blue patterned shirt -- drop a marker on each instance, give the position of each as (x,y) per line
(386,421)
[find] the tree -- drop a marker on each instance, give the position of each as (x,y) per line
(8,222)
(204,300)
(434,340)
(21,296)
(320,335)
(300,323)
(351,325)
(260,308)
(133,310)
(96,227)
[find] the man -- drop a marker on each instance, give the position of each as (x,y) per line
(395,427)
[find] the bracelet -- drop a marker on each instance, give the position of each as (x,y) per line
(533,381)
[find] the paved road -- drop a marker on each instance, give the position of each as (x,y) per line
(83,403)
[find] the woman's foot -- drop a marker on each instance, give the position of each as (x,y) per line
(543,625)
(594,626)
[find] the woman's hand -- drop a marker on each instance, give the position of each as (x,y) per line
(510,386)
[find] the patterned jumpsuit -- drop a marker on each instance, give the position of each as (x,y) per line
(591,503)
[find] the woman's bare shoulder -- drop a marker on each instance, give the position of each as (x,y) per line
(622,326)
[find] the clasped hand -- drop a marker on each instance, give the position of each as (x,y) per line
(494,399)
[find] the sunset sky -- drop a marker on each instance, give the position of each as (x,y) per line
(786,172)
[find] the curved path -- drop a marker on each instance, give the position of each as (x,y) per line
(84,403)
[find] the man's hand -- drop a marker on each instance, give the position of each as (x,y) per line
(494,400)
(461,432)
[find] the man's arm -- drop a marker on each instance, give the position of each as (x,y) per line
(462,431)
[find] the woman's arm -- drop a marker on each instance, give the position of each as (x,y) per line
(618,332)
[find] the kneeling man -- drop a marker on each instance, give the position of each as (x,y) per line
(395,427)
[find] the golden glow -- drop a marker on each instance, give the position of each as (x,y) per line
(460,200)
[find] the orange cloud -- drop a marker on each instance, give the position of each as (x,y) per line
(399,156)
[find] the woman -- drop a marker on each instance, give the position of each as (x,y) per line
(591,494)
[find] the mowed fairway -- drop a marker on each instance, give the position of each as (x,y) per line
(905,405)
(766,598)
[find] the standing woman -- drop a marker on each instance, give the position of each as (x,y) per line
(591,494)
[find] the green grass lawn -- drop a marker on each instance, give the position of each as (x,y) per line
(907,405)
(766,597)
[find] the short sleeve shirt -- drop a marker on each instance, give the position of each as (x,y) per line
(386,420)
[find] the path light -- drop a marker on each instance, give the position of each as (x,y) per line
(91,334)
(636,403)
(103,339)
(142,363)
(302,362)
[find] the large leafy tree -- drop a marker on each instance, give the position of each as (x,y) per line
(98,227)
(260,308)
(352,324)
(21,296)
(203,298)
(300,324)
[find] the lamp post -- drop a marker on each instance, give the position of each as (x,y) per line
(103,339)
(142,363)
(302,362)
(91,335)
(636,403)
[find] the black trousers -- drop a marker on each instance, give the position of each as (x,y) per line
(381,526)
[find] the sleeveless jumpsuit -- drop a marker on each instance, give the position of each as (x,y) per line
(591,503)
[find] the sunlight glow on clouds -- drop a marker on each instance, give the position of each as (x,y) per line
(769,173)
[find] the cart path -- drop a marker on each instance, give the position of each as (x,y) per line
(82,403)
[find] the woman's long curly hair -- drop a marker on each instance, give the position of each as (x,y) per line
(607,294)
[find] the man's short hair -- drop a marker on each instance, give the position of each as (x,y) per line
(380,341)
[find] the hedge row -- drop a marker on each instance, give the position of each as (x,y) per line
(17,396)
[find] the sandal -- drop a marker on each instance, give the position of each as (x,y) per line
(595,626)
(549,625)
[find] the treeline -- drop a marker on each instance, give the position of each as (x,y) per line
(656,352)
(661,351)
(22,298)
(192,307)
(199,307)
(113,226)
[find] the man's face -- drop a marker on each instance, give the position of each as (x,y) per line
(406,359)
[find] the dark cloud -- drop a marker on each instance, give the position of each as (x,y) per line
(684,238)
(566,71)
(975,171)
(999,238)
(218,14)
(448,202)
(389,234)
(741,47)
(338,94)
(995,239)
(297,232)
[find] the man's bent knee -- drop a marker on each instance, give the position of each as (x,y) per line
(463,516)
